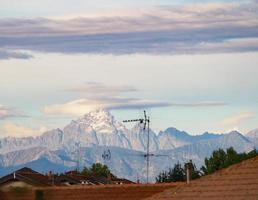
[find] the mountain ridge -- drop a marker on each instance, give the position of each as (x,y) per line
(99,128)
(84,140)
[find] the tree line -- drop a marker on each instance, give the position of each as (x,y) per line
(218,160)
(97,169)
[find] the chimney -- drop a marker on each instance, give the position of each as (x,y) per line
(109,176)
(138,180)
(51,177)
(188,172)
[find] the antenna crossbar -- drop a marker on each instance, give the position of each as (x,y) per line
(146,122)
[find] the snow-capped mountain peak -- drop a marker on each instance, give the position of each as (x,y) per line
(99,115)
(236,134)
(252,134)
(98,130)
(100,120)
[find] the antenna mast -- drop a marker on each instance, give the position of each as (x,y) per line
(146,123)
(77,145)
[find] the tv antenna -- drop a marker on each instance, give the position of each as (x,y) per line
(146,124)
(78,155)
(106,155)
(150,155)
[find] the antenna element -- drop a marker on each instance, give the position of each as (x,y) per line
(146,123)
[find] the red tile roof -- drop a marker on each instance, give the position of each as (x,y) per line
(106,192)
(27,175)
(102,192)
(237,182)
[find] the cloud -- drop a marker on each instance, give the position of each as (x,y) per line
(200,104)
(97,95)
(7,112)
(13,54)
(191,29)
(13,130)
(82,106)
(237,119)
(98,89)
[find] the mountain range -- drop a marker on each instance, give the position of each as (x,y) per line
(84,141)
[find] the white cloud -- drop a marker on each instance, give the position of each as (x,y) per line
(97,95)
(82,106)
(13,130)
(198,28)
(76,107)
(7,112)
(95,89)
(5,54)
(199,104)
(236,120)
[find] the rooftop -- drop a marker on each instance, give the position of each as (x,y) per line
(236,182)
(26,175)
(96,192)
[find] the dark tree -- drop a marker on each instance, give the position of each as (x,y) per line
(215,162)
(97,169)
(221,159)
(194,172)
(177,173)
(85,171)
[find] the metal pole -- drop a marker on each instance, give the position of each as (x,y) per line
(148,149)
(144,121)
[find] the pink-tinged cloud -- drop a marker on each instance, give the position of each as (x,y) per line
(237,119)
(195,29)
(97,95)
(7,112)
(10,129)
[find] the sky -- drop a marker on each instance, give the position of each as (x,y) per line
(191,64)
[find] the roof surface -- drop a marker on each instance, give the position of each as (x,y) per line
(106,192)
(27,175)
(237,182)
(96,192)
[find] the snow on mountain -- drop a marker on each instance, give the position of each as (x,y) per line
(31,154)
(172,138)
(125,162)
(96,128)
(11,144)
(42,165)
(138,138)
(21,156)
(84,140)
(198,151)
(50,139)
(253,136)
(99,128)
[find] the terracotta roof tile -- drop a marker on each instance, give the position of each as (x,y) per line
(237,182)
(27,175)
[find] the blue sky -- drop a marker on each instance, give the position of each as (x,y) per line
(191,64)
